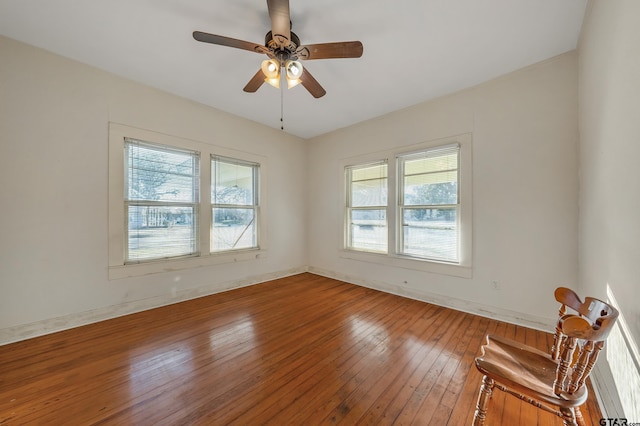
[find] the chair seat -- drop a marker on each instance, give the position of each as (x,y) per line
(525,370)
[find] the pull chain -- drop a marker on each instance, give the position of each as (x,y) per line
(281,107)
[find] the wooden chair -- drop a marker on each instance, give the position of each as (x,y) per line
(553,382)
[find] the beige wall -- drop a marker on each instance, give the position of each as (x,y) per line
(525,192)
(54,117)
(609,70)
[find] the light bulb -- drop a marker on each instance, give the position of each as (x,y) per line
(294,69)
(270,68)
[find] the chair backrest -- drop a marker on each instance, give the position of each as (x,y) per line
(590,325)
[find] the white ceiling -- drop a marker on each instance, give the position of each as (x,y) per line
(414,50)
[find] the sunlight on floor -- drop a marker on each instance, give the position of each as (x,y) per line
(376,335)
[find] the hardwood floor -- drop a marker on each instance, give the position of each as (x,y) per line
(299,350)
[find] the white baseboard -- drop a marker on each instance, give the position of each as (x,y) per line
(52,325)
(506,315)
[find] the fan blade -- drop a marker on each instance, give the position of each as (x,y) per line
(255,82)
(344,49)
(230,42)
(311,84)
(280,22)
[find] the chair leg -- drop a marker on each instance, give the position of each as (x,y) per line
(485,393)
(568,417)
(579,418)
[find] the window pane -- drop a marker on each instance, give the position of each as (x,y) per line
(157,232)
(232,183)
(431,233)
(431,188)
(369,193)
(368,185)
(157,174)
(233,229)
(368,229)
(374,171)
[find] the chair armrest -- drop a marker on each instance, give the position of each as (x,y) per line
(578,327)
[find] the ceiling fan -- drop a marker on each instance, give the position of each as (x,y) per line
(285,51)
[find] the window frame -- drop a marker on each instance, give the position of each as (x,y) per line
(393,256)
(141,202)
(117,220)
(254,206)
(402,206)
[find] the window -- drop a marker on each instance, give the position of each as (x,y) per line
(234,200)
(161,201)
(413,207)
(428,204)
(178,203)
(367,207)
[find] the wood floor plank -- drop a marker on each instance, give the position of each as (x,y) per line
(435,400)
(368,367)
(467,376)
(299,350)
(288,385)
(444,328)
(431,368)
(414,332)
(397,353)
(390,401)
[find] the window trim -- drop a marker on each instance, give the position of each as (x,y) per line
(117,269)
(464,267)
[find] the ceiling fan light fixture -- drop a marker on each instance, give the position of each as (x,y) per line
(294,70)
(270,68)
(292,83)
(275,82)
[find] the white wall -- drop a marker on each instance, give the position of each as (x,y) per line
(525,191)
(609,70)
(54,116)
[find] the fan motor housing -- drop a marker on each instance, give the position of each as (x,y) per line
(282,53)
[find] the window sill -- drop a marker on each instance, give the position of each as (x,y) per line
(441,268)
(139,269)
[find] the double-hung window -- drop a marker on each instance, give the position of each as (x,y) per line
(234,201)
(367,207)
(428,204)
(413,206)
(161,202)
